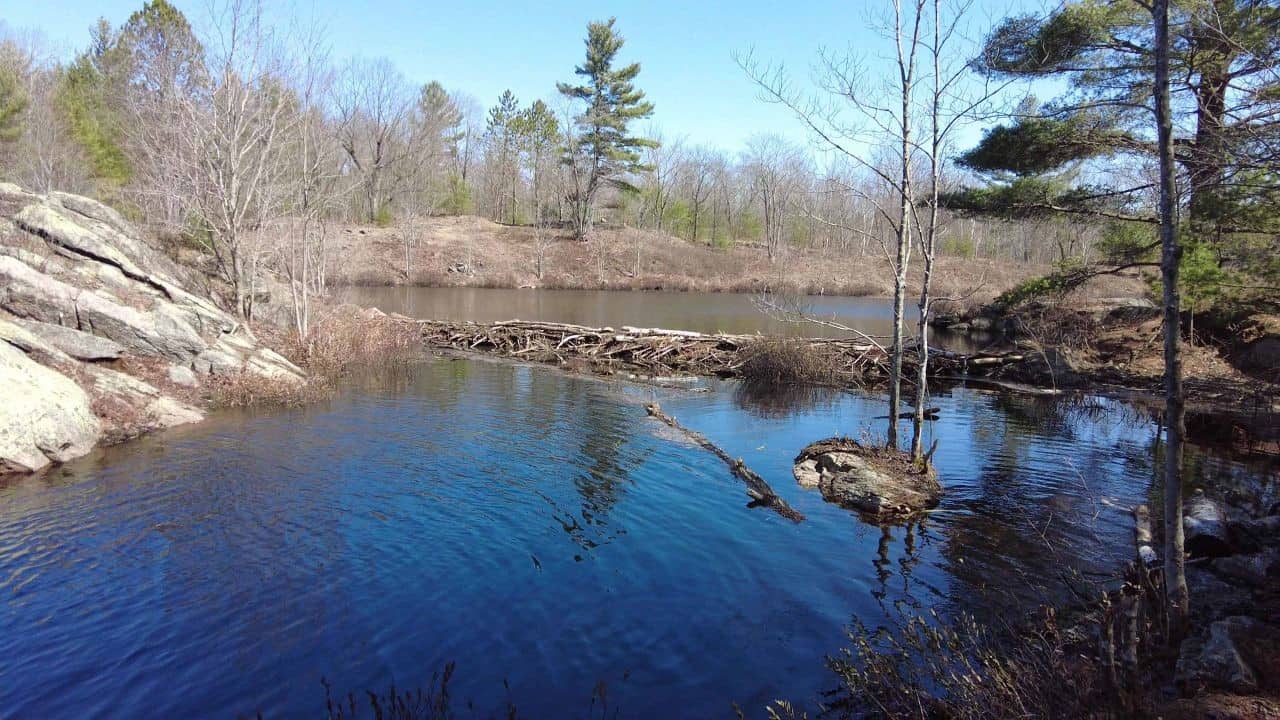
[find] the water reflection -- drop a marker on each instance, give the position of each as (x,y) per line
(782,401)
(704,312)
(536,528)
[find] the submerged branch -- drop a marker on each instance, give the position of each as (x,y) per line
(757,488)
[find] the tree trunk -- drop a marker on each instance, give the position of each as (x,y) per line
(900,272)
(1175,578)
(928,243)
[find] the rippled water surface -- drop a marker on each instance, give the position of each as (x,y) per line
(533,527)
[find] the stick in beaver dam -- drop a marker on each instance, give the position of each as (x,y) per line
(668,352)
(757,488)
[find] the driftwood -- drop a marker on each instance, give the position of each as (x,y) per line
(757,488)
(1206,527)
(1142,537)
(929,414)
(665,352)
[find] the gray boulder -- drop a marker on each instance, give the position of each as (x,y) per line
(1236,655)
(32,295)
(184,376)
(46,417)
(236,352)
(78,284)
(144,406)
(79,345)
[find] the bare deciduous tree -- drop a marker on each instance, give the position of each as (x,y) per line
(374,111)
(775,168)
(228,171)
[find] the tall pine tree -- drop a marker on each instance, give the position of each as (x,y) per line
(1224,106)
(501,131)
(602,152)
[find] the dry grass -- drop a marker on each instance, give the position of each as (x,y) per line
(777,361)
(244,389)
(341,340)
(473,252)
(923,668)
(346,337)
(1059,325)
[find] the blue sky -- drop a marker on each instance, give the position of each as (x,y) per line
(685,48)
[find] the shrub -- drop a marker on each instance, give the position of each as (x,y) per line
(347,337)
(924,667)
(1057,283)
(958,247)
(786,361)
(383,217)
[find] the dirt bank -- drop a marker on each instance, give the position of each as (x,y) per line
(1112,345)
(471,251)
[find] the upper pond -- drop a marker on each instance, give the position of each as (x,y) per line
(703,312)
(534,527)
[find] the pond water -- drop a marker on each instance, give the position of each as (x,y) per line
(702,312)
(534,527)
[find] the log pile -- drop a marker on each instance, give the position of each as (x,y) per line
(666,352)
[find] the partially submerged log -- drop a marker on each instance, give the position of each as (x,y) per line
(1205,527)
(759,490)
(929,414)
(882,484)
(1143,539)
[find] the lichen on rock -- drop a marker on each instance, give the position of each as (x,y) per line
(882,484)
(85,304)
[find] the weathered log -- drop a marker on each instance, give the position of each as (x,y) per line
(1205,527)
(759,490)
(1143,540)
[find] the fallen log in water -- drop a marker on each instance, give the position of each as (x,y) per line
(667,352)
(1143,538)
(757,488)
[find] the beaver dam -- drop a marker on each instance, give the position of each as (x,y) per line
(672,352)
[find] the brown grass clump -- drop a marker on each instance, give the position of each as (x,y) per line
(347,337)
(244,389)
(341,340)
(787,361)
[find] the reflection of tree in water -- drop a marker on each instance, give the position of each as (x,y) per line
(913,537)
(779,402)
(607,457)
(1034,525)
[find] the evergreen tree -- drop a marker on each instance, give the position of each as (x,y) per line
(439,115)
(83,96)
(539,137)
(1224,99)
(13,103)
(437,134)
(602,152)
(1185,86)
(538,134)
(500,132)
(157,52)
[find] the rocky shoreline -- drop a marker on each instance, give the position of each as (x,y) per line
(101,336)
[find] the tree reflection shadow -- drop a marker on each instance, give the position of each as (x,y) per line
(779,402)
